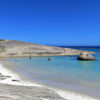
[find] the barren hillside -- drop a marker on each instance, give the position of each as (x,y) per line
(12,48)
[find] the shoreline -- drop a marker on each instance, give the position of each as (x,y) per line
(67,95)
(47,55)
(13,77)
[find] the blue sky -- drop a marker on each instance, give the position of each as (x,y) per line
(51,22)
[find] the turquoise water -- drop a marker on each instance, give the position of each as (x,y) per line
(61,71)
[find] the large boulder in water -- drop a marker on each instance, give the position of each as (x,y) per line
(86,56)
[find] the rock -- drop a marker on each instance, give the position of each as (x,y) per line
(2,75)
(3,78)
(8,76)
(14,80)
(12,48)
(86,56)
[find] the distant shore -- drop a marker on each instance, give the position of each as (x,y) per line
(12,79)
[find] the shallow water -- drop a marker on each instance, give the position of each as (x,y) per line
(63,72)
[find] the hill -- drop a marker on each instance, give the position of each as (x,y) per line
(13,48)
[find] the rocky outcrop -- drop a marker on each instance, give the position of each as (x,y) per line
(86,56)
(13,48)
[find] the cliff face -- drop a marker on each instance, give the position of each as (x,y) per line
(12,48)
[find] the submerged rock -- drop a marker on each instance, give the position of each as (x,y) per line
(86,56)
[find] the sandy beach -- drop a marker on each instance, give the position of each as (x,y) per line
(49,49)
(15,86)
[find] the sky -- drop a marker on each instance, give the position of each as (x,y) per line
(51,22)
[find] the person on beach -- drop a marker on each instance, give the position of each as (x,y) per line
(48,59)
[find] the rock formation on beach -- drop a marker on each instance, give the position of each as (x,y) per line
(13,48)
(86,56)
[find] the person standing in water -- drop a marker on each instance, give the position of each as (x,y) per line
(30,57)
(49,59)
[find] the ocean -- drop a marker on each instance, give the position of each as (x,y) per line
(64,72)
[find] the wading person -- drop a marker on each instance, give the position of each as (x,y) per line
(48,59)
(30,57)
